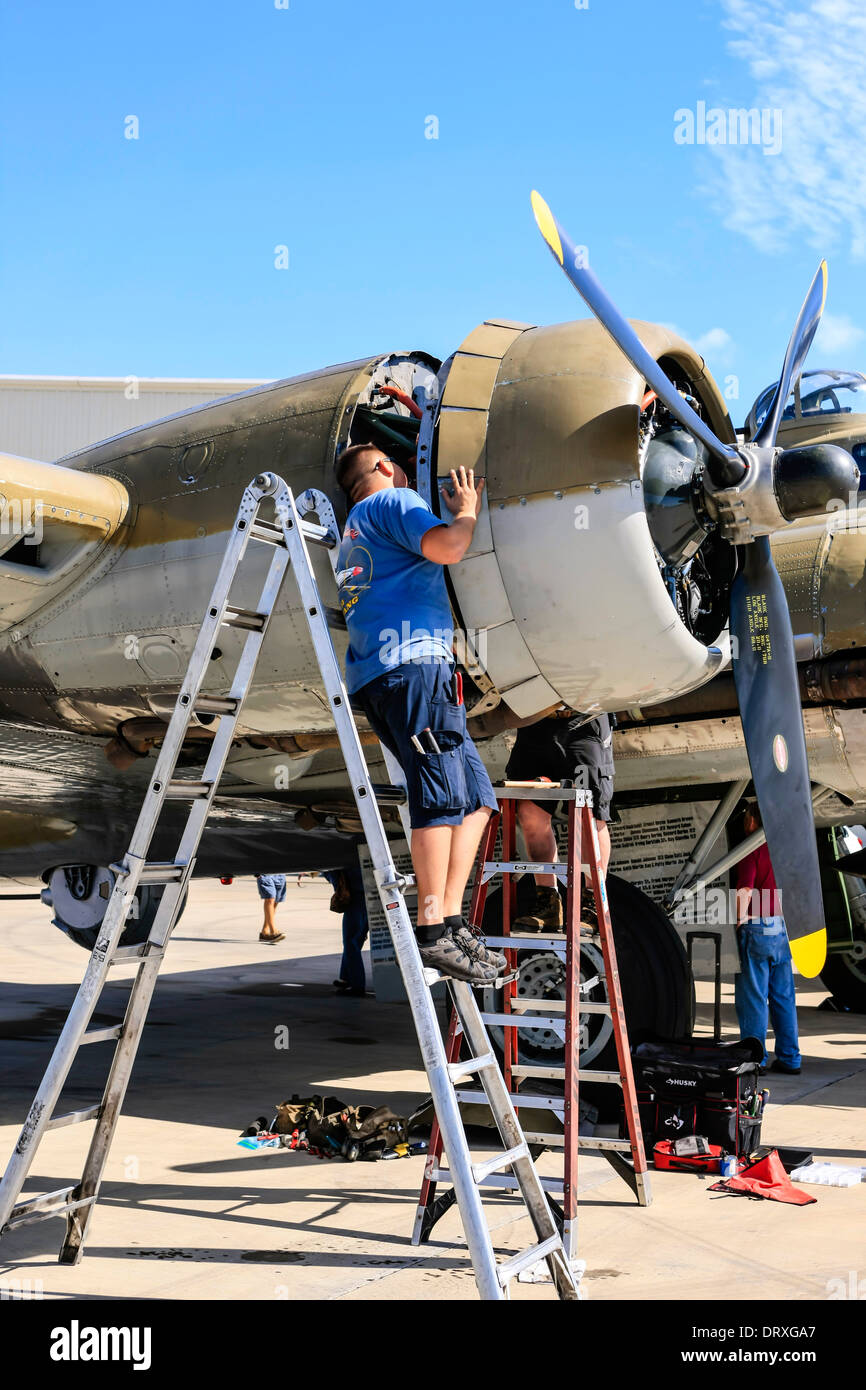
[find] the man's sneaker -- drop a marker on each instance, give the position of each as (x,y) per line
(450,957)
(547,915)
(472,940)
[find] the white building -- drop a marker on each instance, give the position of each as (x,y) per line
(46,417)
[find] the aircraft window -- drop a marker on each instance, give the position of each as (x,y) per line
(821,393)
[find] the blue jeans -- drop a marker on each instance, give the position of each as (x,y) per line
(355,928)
(766,983)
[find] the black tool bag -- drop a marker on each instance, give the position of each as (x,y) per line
(696,1086)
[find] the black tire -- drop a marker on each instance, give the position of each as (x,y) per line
(657,985)
(136,933)
(844,974)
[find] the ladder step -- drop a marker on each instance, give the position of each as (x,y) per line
(507,1270)
(162,873)
(98,1035)
(128,953)
(267,531)
(506,1180)
(542,942)
(519,1021)
(215,704)
(387,794)
(41,1208)
(245,618)
(499,1161)
(457,1070)
(74,1117)
(528,1101)
(585,1141)
(604,1078)
(188,791)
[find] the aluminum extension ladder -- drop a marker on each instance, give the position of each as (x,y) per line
(517,1014)
(289,536)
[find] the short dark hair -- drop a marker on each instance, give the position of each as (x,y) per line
(348,467)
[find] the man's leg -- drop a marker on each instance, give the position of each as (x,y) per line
(539,838)
(354,936)
(751,990)
(431,852)
(783,1007)
(270,925)
(603,845)
(465,840)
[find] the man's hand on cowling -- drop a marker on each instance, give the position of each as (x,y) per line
(464,499)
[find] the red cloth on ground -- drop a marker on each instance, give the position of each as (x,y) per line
(766,1178)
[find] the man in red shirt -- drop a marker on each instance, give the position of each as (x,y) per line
(766,980)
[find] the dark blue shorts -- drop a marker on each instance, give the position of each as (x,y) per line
(443,787)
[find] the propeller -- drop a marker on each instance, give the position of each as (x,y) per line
(781,484)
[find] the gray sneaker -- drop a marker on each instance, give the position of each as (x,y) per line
(473,942)
(450,957)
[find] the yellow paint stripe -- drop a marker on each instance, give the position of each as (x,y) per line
(824,291)
(810,953)
(547,225)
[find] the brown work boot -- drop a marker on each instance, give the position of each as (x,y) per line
(547,915)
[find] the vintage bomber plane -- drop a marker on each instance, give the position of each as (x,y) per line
(623,539)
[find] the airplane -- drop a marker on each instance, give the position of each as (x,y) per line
(622,562)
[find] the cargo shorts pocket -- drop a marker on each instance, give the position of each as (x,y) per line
(442,776)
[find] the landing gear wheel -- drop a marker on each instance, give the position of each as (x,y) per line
(79,895)
(844,974)
(657,986)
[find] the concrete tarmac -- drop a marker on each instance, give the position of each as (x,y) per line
(237,1026)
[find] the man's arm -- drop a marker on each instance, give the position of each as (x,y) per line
(746,872)
(447,544)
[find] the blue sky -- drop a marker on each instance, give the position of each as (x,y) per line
(305,127)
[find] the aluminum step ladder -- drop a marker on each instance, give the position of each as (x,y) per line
(626,1155)
(290,537)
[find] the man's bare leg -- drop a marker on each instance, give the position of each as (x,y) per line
(270,924)
(431,850)
(465,840)
(603,845)
(540,840)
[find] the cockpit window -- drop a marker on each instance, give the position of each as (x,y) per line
(815,393)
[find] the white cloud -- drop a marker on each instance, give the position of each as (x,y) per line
(806,61)
(716,345)
(837,333)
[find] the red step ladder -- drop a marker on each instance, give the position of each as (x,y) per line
(518,1013)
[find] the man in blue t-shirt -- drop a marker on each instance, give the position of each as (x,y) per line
(400,673)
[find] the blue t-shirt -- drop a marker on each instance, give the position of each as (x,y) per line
(393,599)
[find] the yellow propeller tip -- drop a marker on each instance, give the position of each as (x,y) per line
(547,225)
(810,953)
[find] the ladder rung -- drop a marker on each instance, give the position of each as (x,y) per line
(388,795)
(195,791)
(518,1021)
(583,1141)
(530,1101)
(245,618)
(267,531)
(499,1161)
(41,1208)
(98,1035)
(317,535)
(128,953)
(499,1180)
(555,1006)
(74,1117)
(604,1078)
(162,873)
(507,1270)
(457,1070)
(544,942)
(215,704)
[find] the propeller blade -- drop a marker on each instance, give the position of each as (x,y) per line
(765,675)
(724,465)
(798,347)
